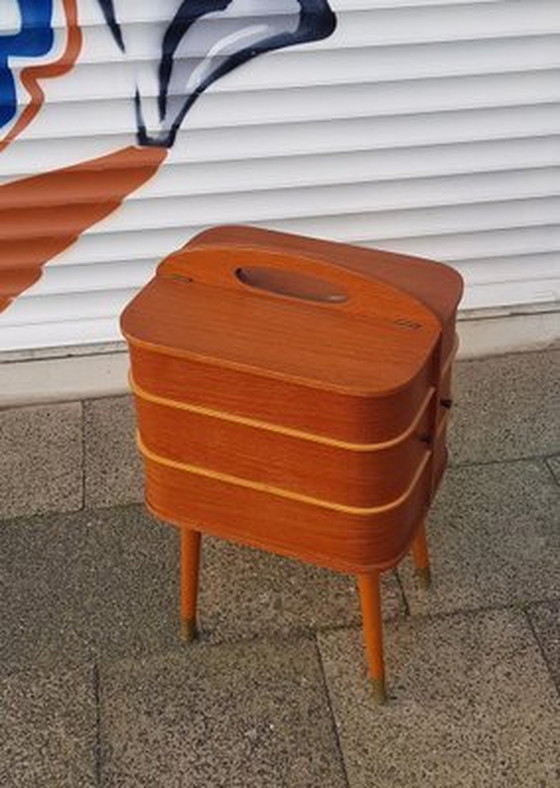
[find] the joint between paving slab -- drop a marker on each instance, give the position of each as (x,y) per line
(97,700)
(439,615)
(331,712)
(406,606)
(541,647)
(83,439)
(505,461)
(475,611)
(550,469)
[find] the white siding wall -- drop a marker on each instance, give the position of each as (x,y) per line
(419,126)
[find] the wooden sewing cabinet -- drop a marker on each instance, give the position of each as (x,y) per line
(292,394)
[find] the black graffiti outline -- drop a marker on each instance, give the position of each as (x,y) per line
(316,21)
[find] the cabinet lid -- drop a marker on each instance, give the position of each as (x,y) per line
(314,313)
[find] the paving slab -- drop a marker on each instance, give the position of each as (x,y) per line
(248,593)
(494,539)
(235,716)
(545,620)
(506,407)
(112,462)
(471,704)
(41,459)
(554,465)
(48,736)
(104,584)
(84,586)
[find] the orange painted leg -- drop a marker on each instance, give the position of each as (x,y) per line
(370,598)
(190,554)
(421,557)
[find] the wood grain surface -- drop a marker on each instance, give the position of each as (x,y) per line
(292,394)
(353,474)
(344,541)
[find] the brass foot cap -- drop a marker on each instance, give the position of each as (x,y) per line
(378,691)
(424,577)
(188,630)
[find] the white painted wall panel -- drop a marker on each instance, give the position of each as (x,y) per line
(431,128)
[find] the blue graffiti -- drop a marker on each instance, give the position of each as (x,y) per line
(34,39)
(206,39)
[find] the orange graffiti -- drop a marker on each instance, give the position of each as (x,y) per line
(31,75)
(43,215)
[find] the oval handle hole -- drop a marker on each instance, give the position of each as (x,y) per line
(291,284)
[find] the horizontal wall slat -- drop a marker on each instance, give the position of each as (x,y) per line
(429,221)
(519,157)
(94,305)
(319,103)
(485,243)
(514,267)
(109,80)
(198,147)
(59,333)
(368,24)
(520,293)
(445,203)
(142,11)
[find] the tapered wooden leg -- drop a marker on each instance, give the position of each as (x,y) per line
(421,557)
(370,597)
(190,554)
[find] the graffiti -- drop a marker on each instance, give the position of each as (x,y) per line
(203,41)
(197,43)
(34,228)
(34,38)
(21,95)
